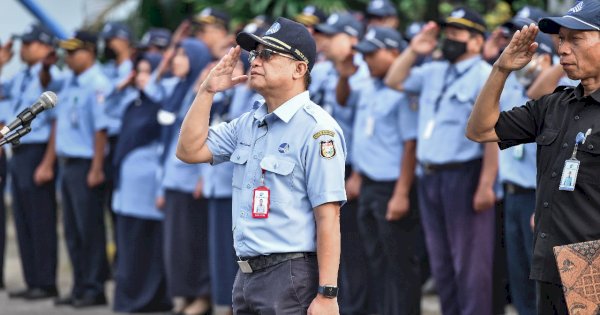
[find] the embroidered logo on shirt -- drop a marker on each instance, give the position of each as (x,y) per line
(323,133)
(327,149)
(283,148)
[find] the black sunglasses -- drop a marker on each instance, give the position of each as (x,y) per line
(266,55)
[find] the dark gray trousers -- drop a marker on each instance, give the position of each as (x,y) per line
(286,288)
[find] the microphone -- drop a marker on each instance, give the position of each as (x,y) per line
(46,101)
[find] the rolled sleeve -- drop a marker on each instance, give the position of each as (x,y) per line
(407,120)
(222,140)
(101,120)
(325,169)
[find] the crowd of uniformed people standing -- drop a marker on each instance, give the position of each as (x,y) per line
(423,200)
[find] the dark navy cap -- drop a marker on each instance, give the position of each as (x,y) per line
(81,39)
(584,16)
(341,23)
(38,33)
(381,8)
(532,12)
(159,37)
(213,16)
(413,29)
(378,37)
(465,18)
(116,30)
(545,44)
(526,16)
(284,36)
(311,16)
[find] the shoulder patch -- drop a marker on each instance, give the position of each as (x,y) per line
(323,133)
(327,149)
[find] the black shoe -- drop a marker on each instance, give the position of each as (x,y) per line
(65,301)
(39,294)
(19,294)
(90,301)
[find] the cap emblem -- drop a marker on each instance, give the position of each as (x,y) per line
(273,29)
(576,8)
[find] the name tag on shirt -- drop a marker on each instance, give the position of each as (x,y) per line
(569,175)
(429,129)
(261,202)
(518,152)
(370,126)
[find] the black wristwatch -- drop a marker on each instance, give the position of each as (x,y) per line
(328,291)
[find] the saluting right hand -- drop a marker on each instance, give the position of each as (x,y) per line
(520,50)
(221,78)
(6,53)
(425,42)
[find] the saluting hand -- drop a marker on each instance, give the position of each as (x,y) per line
(6,53)
(221,78)
(520,50)
(425,42)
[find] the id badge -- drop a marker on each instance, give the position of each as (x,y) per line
(569,175)
(74,117)
(370,126)
(429,129)
(518,152)
(261,202)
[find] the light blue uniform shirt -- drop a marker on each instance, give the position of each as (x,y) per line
(217,178)
(384,121)
(21,92)
(517,165)
(445,142)
(324,87)
(139,184)
(177,175)
(81,113)
(114,108)
(302,150)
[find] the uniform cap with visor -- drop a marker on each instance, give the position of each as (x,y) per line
(284,36)
(584,16)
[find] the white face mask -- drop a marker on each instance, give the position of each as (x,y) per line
(530,72)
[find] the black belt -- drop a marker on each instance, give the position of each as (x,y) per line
(511,188)
(432,168)
(256,263)
(70,160)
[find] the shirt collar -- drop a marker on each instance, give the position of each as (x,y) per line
(287,110)
(86,76)
(579,93)
(33,70)
(465,65)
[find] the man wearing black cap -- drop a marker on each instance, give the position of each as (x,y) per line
(155,40)
(213,29)
(382,13)
(81,139)
(564,126)
(383,156)
(311,16)
(289,151)
(456,189)
(32,168)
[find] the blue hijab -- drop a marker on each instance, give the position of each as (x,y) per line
(199,56)
(140,126)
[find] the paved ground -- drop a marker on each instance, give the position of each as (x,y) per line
(14,281)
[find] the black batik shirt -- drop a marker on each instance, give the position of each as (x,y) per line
(561,217)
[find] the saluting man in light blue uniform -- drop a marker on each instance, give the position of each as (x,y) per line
(33,165)
(290,154)
(81,141)
(456,191)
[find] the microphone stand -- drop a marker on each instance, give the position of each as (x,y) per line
(15,137)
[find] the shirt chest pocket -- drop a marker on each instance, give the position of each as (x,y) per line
(589,155)
(239,158)
(544,141)
(279,175)
(459,105)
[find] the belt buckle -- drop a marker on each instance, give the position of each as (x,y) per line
(511,189)
(245,266)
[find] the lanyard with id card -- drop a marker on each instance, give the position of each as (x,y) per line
(571,168)
(261,201)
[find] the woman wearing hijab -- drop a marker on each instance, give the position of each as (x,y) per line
(140,278)
(186,237)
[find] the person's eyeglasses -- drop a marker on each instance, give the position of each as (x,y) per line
(266,55)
